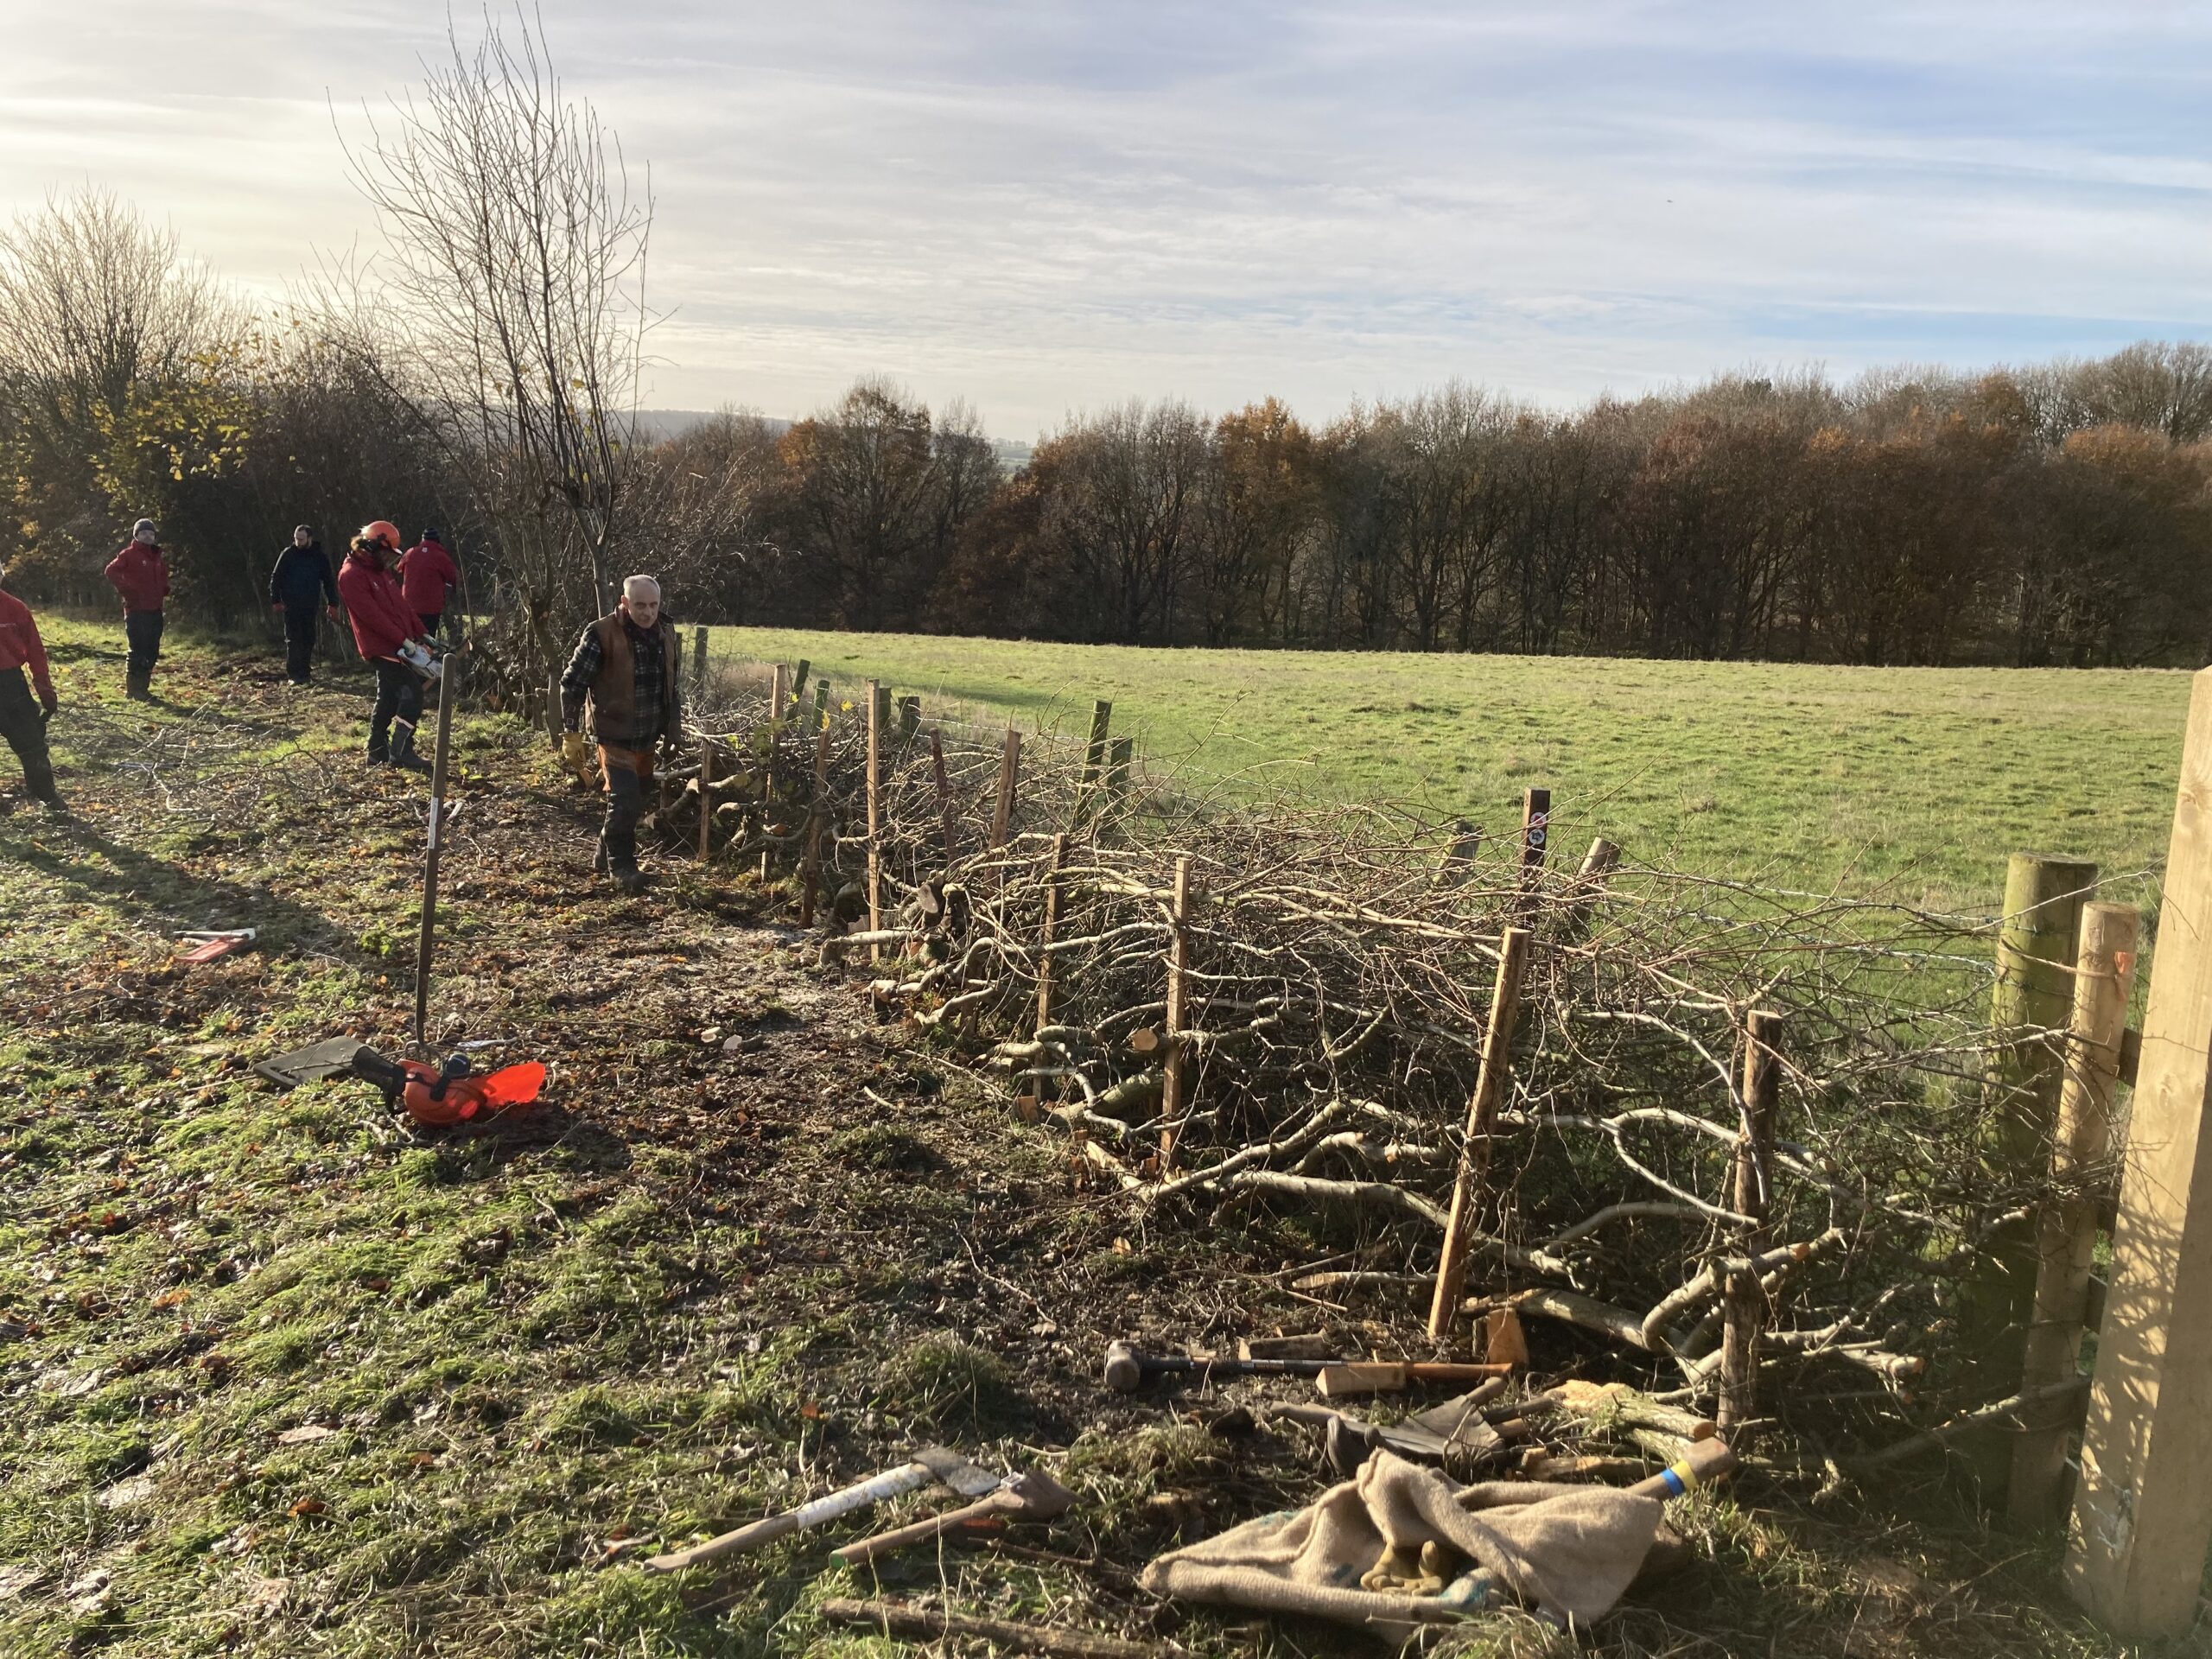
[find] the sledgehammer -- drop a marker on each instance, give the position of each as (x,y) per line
(1127,1368)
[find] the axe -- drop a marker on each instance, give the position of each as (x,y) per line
(1031,1496)
(934,1463)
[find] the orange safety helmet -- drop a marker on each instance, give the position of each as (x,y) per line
(382,530)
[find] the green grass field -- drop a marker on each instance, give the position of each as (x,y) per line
(1911,782)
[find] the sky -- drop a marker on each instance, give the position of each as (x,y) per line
(1048,207)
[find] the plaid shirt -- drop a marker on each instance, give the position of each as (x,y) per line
(649,676)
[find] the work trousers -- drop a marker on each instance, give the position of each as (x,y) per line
(628,773)
(301,624)
(24,727)
(143,630)
(399,699)
(429,620)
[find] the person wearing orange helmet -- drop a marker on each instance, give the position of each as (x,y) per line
(381,624)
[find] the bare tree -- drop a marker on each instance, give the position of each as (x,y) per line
(510,293)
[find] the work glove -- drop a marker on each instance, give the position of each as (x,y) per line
(572,752)
(48,708)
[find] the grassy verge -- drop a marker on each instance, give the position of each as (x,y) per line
(1912,783)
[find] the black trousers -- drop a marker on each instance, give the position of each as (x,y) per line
(24,727)
(143,630)
(430,621)
(400,696)
(300,623)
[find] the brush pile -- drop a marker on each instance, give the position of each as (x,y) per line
(1337,970)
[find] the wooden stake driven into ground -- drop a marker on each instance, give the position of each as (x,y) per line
(1094,760)
(1751,1195)
(779,694)
(1536,836)
(1009,774)
(943,794)
(448,692)
(2066,1228)
(707,747)
(817,808)
(2142,1518)
(876,695)
(2033,995)
(1482,1118)
(1174,1085)
(1052,925)
(698,664)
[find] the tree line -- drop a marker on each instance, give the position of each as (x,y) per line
(2059,514)
(479,370)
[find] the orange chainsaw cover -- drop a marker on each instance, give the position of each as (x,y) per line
(467,1098)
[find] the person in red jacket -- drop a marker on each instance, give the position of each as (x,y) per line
(381,624)
(427,577)
(141,575)
(23,723)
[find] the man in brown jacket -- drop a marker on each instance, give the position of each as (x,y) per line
(626,664)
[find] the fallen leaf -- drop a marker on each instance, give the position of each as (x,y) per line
(176,1298)
(810,1410)
(1121,1247)
(305,1434)
(267,1595)
(127,1494)
(310,1506)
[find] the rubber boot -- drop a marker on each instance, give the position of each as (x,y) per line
(137,684)
(403,748)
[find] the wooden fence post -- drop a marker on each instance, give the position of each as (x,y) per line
(1597,864)
(1744,1301)
(1174,1070)
(2066,1225)
(698,665)
(944,793)
(910,718)
(1120,755)
(1481,1117)
(797,684)
(879,699)
(822,703)
(2034,993)
(778,691)
(706,798)
(1009,772)
(1459,856)
(1094,757)
(816,810)
(2142,1518)
(1536,836)
(876,697)
(1059,861)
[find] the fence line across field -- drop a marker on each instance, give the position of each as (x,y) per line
(1731,1131)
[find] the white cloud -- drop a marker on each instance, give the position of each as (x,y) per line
(1047,205)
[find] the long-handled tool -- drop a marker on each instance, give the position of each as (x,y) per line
(934,1463)
(1030,1497)
(1128,1368)
(1342,1382)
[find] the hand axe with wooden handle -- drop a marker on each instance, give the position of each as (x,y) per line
(1032,1496)
(932,1464)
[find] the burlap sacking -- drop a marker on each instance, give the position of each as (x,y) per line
(1566,1550)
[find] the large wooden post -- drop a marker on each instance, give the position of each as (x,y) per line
(706,798)
(818,811)
(2143,1519)
(943,794)
(778,694)
(1744,1300)
(698,665)
(1481,1118)
(2066,1227)
(876,696)
(1175,1072)
(1536,836)
(1094,758)
(2033,996)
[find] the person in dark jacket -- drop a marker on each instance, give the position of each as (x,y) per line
(23,721)
(428,576)
(381,624)
(141,575)
(302,578)
(627,663)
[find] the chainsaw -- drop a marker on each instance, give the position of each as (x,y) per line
(435,1096)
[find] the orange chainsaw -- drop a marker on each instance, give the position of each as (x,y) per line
(435,1096)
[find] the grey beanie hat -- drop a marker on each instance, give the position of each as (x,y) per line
(142,531)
